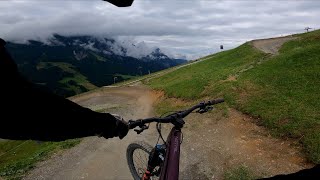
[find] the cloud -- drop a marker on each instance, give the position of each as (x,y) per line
(183,27)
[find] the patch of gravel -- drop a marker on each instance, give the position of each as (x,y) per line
(271,45)
(211,144)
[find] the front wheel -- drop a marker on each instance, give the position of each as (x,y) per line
(137,157)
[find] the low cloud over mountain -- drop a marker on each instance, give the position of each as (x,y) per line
(185,27)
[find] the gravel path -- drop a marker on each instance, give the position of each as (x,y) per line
(271,45)
(212,143)
(99,158)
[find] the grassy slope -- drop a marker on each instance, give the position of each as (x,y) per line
(77,77)
(17,157)
(282,91)
(190,82)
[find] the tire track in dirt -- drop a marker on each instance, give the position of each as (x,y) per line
(214,143)
(99,158)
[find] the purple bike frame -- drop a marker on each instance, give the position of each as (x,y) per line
(170,169)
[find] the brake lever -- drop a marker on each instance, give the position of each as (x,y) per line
(142,128)
(210,108)
(205,109)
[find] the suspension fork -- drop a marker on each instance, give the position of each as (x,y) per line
(169,169)
(156,158)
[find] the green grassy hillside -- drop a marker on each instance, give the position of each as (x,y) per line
(17,157)
(68,66)
(75,82)
(281,91)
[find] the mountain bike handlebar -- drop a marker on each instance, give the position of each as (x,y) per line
(174,117)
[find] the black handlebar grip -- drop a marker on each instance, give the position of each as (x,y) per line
(217,101)
(132,124)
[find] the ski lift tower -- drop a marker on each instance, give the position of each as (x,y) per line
(114,79)
(307,29)
(221,47)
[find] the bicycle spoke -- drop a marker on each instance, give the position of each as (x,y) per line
(138,157)
(140,164)
(144,162)
(139,161)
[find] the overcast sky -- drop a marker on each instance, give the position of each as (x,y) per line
(187,27)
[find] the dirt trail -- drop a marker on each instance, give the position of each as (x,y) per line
(212,144)
(271,45)
(98,158)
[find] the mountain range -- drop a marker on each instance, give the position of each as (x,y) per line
(69,65)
